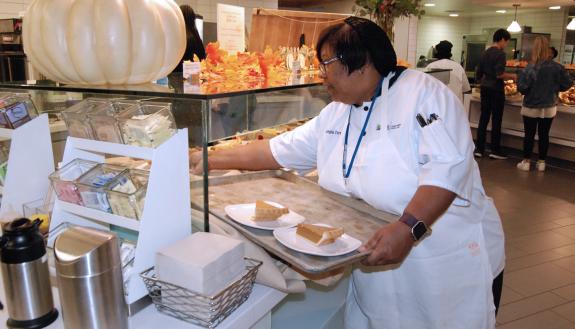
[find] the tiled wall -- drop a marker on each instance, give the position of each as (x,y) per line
(547,21)
(433,29)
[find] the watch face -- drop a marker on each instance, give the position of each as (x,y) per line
(419,230)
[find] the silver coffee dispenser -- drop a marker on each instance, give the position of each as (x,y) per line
(89,271)
(26,276)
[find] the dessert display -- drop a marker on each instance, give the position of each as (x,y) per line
(247,137)
(568,97)
(510,88)
(92,184)
(127,193)
(147,125)
(63,180)
(267,212)
(516,63)
(319,235)
(15,110)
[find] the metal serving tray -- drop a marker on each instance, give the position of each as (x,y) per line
(303,196)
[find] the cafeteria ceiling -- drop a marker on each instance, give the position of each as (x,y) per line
(445,7)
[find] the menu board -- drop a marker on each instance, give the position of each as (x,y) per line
(231,27)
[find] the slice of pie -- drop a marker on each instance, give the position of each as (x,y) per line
(319,235)
(267,212)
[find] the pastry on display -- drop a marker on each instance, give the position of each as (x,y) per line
(319,235)
(510,88)
(568,97)
(267,212)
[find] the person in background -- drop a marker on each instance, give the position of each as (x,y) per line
(422,172)
(458,82)
(540,82)
(491,75)
(194,45)
(553,53)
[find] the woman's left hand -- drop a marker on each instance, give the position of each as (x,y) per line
(389,245)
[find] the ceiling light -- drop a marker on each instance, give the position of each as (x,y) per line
(555,7)
(514,26)
(429,5)
(501,11)
(454,15)
(571,25)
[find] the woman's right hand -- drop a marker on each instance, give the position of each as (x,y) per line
(196,162)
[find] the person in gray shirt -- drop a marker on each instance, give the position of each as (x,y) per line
(540,82)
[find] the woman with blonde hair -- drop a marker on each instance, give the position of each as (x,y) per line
(540,82)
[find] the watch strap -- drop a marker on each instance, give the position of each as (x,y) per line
(408,219)
(417,227)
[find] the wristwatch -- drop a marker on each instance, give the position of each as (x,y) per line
(418,228)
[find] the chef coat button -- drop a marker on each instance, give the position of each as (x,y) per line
(365,108)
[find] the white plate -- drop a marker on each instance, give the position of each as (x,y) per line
(243,214)
(343,245)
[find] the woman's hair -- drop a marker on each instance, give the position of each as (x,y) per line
(540,51)
(194,45)
(356,42)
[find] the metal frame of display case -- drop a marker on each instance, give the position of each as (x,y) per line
(175,89)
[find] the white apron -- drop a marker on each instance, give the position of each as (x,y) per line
(445,282)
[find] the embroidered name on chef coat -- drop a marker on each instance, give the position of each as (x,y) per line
(393,126)
(333,132)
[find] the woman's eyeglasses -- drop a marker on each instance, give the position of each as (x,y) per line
(323,64)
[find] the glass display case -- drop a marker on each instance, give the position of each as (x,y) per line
(211,115)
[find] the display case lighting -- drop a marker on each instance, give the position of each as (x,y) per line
(571,25)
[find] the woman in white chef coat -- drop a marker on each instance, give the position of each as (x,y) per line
(369,144)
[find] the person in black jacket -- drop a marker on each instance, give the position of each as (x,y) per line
(540,82)
(194,45)
(491,73)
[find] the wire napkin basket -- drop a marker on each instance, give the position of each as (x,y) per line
(189,306)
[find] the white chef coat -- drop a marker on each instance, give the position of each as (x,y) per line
(458,82)
(445,282)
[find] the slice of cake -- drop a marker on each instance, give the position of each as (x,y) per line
(319,235)
(267,212)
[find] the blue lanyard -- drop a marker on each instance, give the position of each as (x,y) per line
(347,172)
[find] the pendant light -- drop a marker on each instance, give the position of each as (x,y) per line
(514,27)
(571,25)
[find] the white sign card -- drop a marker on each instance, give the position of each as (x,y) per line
(231,27)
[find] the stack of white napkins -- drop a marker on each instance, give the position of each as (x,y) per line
(205,263)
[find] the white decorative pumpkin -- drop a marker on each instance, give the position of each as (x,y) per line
(104,41)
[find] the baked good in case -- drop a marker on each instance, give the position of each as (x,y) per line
(320,235)
(267,212)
